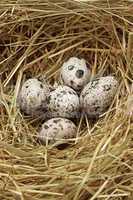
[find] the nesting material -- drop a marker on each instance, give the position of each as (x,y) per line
(37,36)
(130,103)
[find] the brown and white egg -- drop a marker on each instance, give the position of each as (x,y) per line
(57,129)
(63,102)
(98,95)
(32,98)
(74,73)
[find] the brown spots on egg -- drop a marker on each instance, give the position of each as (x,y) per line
(97,95)
(79,73)
(32,97)
(63,102)
(70,67)
(41,85)
(107,87)
(46,126)
(52,132)
(75,73)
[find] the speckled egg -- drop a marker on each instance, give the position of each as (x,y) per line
(75,73)
(63,102)
(97,95)
(32,97)
(56,129)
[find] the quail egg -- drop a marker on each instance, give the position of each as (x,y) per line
(63,102)
(97,95)
(56,129)
(32,97)
(75,73)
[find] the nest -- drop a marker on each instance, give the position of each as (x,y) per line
(36,37)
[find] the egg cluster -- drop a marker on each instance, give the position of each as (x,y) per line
(60,104)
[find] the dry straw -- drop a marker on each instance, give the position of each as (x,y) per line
(36,37)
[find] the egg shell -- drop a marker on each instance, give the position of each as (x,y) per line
(75,73)
(33,96)
(63,102)
(57,129)
(97,95)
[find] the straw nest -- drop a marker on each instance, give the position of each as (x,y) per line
(36,37)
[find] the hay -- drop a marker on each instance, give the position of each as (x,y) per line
(36,37)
